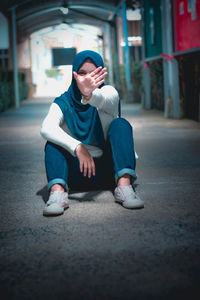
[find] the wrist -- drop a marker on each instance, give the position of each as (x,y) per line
(87,97)
(77,148)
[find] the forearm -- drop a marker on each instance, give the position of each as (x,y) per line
(59,137)
(51,130)
(105,99)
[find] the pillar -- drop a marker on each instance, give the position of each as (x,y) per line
(126,49)
(146,95)
(15,64)
(116,58)
(170,64)
(110,58)
(147,87)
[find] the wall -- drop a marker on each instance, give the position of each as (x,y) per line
(187,24)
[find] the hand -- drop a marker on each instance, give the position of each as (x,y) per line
(87,83)
(86,162)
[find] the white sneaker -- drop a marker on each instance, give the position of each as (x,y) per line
(57,203)
(125,195)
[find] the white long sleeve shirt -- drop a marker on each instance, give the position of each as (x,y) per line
(55,129)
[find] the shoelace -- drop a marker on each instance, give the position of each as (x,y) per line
(129,192)
(54,199)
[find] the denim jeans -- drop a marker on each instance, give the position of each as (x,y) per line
(118,159)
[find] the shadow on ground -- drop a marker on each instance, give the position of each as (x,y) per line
(80,196)
(97,249)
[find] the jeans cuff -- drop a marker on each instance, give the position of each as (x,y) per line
(57,180)
(126,171)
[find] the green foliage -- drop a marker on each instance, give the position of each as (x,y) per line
(136,80)
(157,89)
(136,77)
(7,88)
(52,72)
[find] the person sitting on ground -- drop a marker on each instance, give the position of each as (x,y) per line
(88,145)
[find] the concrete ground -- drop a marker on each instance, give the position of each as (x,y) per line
(98,249)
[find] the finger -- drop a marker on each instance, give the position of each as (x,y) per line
(101,77)
(81,166)
(89,170)
(85,169)
(95,71)
(93,168)
(100,73)
(99,83)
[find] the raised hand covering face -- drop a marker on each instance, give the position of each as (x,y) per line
(89,77)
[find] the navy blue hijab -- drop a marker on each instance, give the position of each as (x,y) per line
(82,119)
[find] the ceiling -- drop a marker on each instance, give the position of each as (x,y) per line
(34,15)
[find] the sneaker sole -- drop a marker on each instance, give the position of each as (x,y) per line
(51,213)
(134,206)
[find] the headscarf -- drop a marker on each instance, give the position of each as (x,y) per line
(82,119)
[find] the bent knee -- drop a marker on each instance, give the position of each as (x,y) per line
(120,123)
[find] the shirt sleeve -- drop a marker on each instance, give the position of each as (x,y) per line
(105,99)
(51,130)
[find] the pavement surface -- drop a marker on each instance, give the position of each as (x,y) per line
(98,249)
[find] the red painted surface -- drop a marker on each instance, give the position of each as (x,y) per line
(187,24)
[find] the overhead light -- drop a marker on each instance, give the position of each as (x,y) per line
(133,41)
(134,38)
(64,10)
(133,15)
